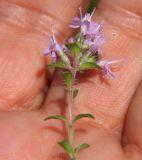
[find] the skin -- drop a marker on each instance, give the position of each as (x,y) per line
(116,104)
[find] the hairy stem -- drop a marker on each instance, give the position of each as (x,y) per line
(70,112)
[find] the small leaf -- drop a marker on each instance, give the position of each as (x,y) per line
(74,48)
(79,116)
(75,93)
(89,65)
(58,117)
(81,146)
(79,39)
(67,147)
(91,59)
(58,64)
(88,58)
(68,77)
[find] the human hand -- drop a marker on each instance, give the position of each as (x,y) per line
(116,132)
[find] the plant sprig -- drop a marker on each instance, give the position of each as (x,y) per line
(80,53)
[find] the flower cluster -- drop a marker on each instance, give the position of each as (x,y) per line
(81,52)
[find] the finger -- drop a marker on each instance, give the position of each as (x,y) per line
(25,30)
(132,140)
(47,13)
(25,135)
(22,65)
(108,99)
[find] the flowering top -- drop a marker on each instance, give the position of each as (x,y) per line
(81,52)
(81,22)
(91,30)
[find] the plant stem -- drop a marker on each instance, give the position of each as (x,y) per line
(70,112)
(91,6)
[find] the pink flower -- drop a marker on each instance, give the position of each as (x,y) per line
(105,64)
(53,48)
(82,22)
(95,41)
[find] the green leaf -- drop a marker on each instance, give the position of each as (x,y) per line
(91,59)
(74,48)
(67,147)
(88,58)
(91,6)
(58,117)
(75,92)
(79,39)
(58,64)
(79,116)
(81,146)
(89,65)
(68,78)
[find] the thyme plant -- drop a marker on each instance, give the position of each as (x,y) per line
(81,52)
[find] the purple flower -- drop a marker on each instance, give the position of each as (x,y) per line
(76,23)
(82,22)
(52,52)
(94,37)
(71,40)
(106,67)
(54,49)
(87,17)
(93,29)
(95,42)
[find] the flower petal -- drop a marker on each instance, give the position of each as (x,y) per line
(54,56)
(76,22)
(107,71)
(47,51)
(71,40)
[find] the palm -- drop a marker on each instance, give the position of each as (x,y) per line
(24,135)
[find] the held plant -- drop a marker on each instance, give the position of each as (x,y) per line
(81,53)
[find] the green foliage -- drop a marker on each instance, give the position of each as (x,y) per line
(89,65)
(58,117)
(68,78)
(75,93)
(79,116)
(74,48)
(58,64)
(91,58)
(65,144)
(88,58)
(81,146)
(91,6)
(79,39)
